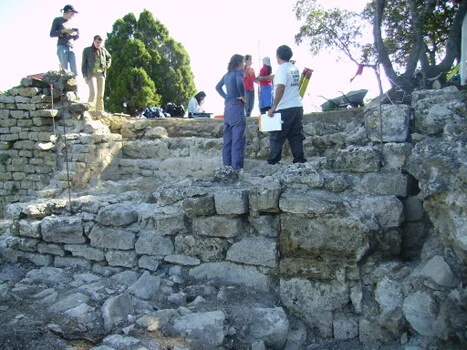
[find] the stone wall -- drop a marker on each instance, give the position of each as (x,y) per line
(366,240)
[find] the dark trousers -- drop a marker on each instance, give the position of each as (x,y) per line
(292,130)
(233,151)
(249,101)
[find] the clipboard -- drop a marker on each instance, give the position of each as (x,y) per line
(267,123)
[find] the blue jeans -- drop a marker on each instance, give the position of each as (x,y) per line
(233,151)
(66,56)
(249,101)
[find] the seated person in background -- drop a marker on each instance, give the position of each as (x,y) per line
(195,105)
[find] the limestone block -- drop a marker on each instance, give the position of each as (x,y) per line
(419,310)
(356,159)
(148,262)
(201,330)
(314,301)
(391,126)
(305,174)
(433,109)
(264,197)
(439,272)
(395,155)
(254,251)
(146,286)
(26,106)
(111,238)
(199,206)
(228,272)
(115,310)
(62,261)
(29,228)
(53,249)
(372,331)
(89,253)
(266,225)
(121,258)
(62,229)
(345,328)
(181,259)
(24,244)
(307,268)
(386,211)
(7,98)
(231,201)
(312,202)
(205,248)
(120,214)
(164,224)
(383,184)
(153,243)
(39,259)
(389,295)
(270,325)
(343,237)
(217,226)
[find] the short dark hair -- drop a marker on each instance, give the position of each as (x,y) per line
(284,53)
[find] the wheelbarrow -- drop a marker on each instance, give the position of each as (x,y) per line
(352,99)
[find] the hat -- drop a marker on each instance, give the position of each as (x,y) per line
(97,37)
(267,61)
(69,8)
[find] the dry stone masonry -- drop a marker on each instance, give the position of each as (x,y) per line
(136,229)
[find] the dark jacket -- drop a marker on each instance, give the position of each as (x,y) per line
(89,60)
(63,39)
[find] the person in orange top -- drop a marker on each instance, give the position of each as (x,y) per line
(249,79)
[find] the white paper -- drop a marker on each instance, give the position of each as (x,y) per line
(267,123)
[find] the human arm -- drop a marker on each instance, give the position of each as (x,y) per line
(265,77)
(84,64)
(279,92)
(219,88)
(56,29)
(59,30)
(240,86)
(192,106)
(108,59)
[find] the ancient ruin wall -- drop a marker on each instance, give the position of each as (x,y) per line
(332,236)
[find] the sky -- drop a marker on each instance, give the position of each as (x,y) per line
(211,31)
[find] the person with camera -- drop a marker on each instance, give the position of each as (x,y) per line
(62,29)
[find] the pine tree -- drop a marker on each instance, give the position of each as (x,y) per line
(148,66)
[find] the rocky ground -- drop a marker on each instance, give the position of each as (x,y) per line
(62,308)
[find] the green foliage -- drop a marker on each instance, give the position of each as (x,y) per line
(407,34)
(148,66)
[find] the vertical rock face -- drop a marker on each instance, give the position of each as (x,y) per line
(365,240)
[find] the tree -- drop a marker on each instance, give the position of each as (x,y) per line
(408,35)
(148,66)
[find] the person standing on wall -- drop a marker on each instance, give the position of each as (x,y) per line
(288,103)
(233,151)
(249,80)
(96,61)
(265,83)
(62,28)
